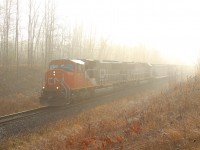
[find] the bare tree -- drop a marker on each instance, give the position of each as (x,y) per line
(17,36)
(37,41)
(49,39)
(1,36)
(49,29)
(6,30)
(32,24)
(77,41)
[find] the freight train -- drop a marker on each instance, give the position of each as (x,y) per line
(67,79)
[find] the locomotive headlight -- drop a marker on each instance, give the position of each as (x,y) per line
(43,87)
(57,87)
(54,72)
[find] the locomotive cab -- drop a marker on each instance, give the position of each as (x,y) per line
(62,79)
(56,88)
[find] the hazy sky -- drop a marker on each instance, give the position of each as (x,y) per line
(171,26)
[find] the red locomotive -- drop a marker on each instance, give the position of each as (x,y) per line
(67,78)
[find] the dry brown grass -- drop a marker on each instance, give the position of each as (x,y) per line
(169,120)
(19,91)
(20,102)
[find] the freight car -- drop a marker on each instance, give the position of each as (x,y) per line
(67,79)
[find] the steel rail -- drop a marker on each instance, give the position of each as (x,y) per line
(42,110)
(17,116)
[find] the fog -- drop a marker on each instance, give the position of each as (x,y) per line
(145,31)
(171,27)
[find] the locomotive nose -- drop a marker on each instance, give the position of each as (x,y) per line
(55,79)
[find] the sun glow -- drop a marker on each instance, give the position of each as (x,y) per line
(172,27)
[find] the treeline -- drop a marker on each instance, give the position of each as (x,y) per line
(31,33)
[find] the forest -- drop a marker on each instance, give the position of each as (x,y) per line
(33,33)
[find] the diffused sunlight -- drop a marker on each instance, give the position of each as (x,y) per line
(170,26)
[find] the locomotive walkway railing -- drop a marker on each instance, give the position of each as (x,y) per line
(66,87)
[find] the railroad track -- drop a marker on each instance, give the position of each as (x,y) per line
(5,120)
(24,114)
(25,121)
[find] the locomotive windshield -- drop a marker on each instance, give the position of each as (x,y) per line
(67,67)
